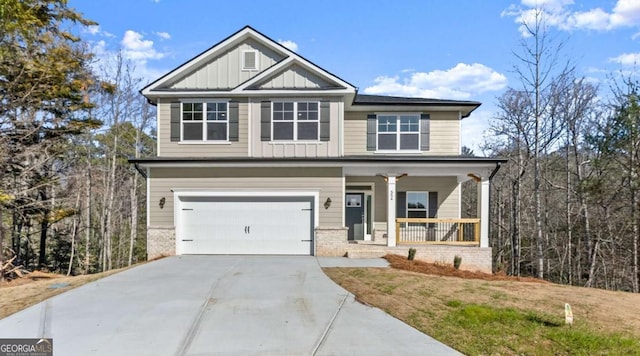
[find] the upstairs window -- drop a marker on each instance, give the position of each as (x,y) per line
(205,121)
(295,120)
(398,132)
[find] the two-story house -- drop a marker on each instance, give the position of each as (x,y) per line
(260,151)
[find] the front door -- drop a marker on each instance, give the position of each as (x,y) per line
(354,215)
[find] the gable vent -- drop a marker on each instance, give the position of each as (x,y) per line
(249,60)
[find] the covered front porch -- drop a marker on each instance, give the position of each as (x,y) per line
(392,204)
(417,201)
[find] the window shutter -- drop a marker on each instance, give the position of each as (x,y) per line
(175,122)
(372,126)
(433,204)
(401,204)
(424,132)
(325,121)
(233,121)
(265,121)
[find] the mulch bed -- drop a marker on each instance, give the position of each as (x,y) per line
(401,262)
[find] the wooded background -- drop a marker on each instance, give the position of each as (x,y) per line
(565,207)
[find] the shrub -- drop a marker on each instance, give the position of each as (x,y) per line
(457,261)
(412,254)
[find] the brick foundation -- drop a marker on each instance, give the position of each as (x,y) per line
(161,241)
(331,241)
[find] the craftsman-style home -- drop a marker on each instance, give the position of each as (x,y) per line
(260,151)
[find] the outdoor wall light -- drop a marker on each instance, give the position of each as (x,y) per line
(327,203)
(162,201)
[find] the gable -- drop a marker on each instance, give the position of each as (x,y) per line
(224,71)
(295,76)
(219,70)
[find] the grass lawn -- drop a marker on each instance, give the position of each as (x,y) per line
(498,316)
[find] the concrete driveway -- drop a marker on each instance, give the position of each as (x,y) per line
(198,305)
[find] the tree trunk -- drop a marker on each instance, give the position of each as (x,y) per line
(87,253)
(44,228)
(74,233)
(1,244)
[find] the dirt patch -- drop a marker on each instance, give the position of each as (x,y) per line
(35,287)
(401,262)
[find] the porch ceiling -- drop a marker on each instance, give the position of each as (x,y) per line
(424,166)
(460,170)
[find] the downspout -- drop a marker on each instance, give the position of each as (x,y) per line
(140,170)
(493,173)
(495,170)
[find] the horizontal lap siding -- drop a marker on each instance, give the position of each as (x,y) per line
(355,134)
(444,134)
(447,188)
(176,149)
(327,181)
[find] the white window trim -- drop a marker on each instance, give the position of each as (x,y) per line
(295,121)
(257,58)
(406,203)
(399,133)
(204,140)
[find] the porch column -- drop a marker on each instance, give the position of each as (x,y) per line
(391,210)
(483,211)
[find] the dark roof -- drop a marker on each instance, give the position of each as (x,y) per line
(366,99)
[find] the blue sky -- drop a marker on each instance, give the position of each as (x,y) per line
(453,49)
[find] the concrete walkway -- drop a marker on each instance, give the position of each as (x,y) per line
(222,305)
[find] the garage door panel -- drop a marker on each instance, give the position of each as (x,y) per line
(245,226)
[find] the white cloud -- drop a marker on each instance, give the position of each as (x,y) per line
(626,13)
(627,59)
(289,44)
(138,49)
(99,48)
(558,13)
(460,82)
(92,29)
(594,19)
(163,35)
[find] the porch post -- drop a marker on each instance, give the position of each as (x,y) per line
(483,211)
(391,210)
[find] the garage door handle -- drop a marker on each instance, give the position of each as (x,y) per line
(307,209)
(187,240)
(247,229)
(305,240)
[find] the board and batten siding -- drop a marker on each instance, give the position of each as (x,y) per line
(447,187)
(167,148)
(300,149)
(444,134)
(327,181)
(225,70)
(295,77)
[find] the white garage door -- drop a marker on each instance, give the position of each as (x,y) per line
(245,225)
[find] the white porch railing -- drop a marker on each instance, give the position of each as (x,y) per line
(438,231)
